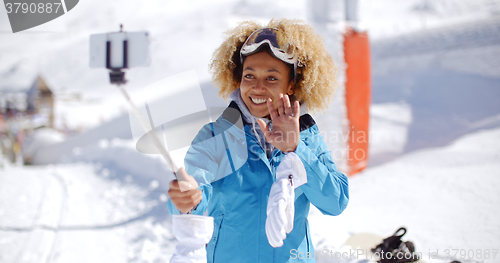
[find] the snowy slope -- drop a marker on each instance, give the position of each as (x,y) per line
(389,18)
(445,196)
(449,77)
(82,213)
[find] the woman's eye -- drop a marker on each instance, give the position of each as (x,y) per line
(248,76)
(272,78)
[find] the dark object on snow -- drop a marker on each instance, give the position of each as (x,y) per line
(390,243)
(394,250)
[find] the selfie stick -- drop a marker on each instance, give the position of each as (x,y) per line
(163,151)
(102,45)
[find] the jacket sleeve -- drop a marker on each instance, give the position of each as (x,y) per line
(326,187)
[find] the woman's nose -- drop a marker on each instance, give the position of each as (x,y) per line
(259,84)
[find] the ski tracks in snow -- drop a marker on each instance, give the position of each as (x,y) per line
(81,213)
(32,220)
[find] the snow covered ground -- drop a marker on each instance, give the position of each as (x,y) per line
(446,197)
(434,133)
(83,212)
(107,210)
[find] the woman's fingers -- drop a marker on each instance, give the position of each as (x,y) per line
(287,105)
(272,110)
(284,107)
(184,200)
(262,125)
(264,129)
(191,199)
(296,109)
(281,107)
(176,192)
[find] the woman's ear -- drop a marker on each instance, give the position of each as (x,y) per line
(290,90)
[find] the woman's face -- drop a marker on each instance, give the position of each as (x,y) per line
(264,76)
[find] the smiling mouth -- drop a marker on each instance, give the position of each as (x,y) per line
(258,101)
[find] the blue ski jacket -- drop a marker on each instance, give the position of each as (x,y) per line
(236,175)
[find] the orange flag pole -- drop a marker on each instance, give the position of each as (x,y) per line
(358,97)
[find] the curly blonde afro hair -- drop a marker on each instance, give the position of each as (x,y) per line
(316,71)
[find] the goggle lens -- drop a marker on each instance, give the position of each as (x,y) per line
(264,34)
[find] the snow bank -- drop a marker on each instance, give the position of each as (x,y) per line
(446,197)
(122,156)
(86,212)
(389,18)
(35,145)
(448,76)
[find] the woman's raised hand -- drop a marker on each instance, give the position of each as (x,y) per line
(285,134)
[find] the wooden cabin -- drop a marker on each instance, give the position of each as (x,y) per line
(40,100)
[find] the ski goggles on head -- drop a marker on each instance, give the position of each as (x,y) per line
(269,36)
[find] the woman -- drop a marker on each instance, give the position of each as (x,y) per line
(259,197)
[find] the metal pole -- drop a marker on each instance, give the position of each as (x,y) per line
(163,151)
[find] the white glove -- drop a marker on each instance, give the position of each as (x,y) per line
(290,174)
(193,232)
